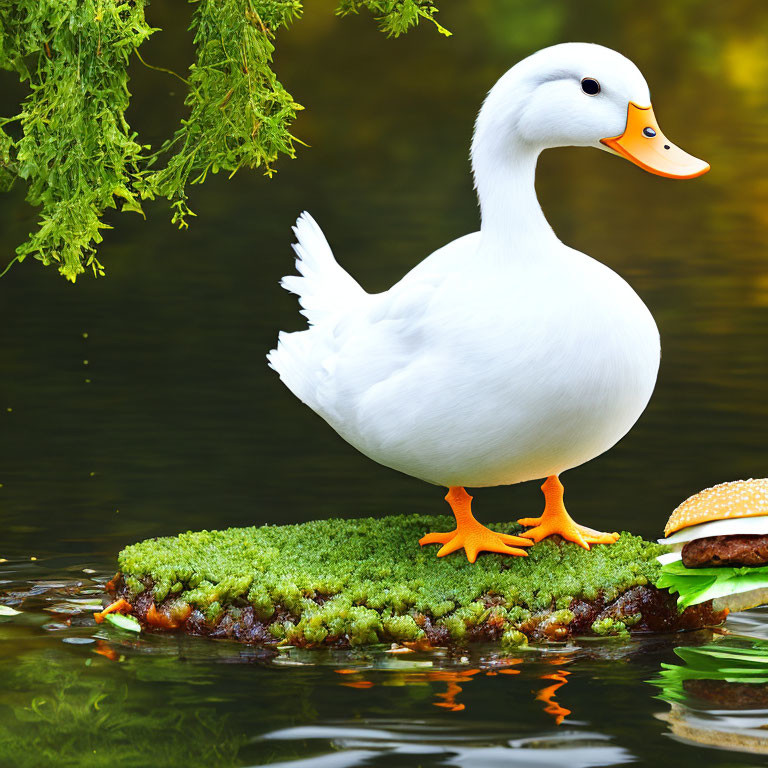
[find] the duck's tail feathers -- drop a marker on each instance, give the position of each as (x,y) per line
(291,359)
(323,287)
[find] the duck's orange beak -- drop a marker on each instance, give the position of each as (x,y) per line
(645,145)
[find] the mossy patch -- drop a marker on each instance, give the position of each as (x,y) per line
(368,580)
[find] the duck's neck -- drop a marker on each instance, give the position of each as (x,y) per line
(513,223)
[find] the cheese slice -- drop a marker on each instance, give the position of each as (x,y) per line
(729,527)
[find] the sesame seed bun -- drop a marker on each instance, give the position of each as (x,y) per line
(740,498)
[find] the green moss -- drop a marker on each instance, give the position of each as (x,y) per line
(518,615)
(277,629)
(402,628)
(611,627)
(160,591)
(134,585)
(513,638)
(465,617)
(369,580)
(563,616)
(213,611)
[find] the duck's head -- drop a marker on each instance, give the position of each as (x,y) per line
(577,94)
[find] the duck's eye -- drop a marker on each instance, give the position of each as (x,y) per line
(590,86)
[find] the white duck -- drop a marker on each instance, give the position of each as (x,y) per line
(505,356)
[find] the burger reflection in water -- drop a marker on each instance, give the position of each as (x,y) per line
(718,695)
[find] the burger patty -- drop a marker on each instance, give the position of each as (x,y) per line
(726,551)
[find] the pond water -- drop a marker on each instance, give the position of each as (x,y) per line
(141,405)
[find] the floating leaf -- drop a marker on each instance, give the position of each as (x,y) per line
(129,623)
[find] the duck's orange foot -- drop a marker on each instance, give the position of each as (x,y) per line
(474,539)
(470,535)
(570,531)
(556,520)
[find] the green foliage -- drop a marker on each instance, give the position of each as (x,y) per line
(374,579)
(395,16)
(239,112)
(75,149)
(71,143)
(513,638)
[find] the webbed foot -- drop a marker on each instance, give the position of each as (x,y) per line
(556,520)
(470,535)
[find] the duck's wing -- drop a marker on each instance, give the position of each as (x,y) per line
(357,340)
(386,336)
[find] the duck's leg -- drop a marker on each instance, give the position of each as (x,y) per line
(557,520)
(471,535)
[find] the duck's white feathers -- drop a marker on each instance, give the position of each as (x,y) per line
(464,376)
(343,318)
(323,287)
(326,291)
(504,356)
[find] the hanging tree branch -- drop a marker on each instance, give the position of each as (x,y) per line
(239,112)
(75,149)
(72,145)
(395,16)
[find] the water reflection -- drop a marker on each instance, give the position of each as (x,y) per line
(718,695)
(380,743)
(129,700)
(547,695)
(414,673)
(75,688)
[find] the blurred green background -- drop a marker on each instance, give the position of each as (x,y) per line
(166,417)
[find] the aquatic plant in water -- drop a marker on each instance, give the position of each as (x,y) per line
(56,710)
(72,145)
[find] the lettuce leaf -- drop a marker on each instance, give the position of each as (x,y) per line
(697,585)
(677,567)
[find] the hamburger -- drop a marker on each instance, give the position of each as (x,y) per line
(719,543)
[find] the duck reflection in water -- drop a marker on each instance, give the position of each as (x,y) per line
(455,679)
